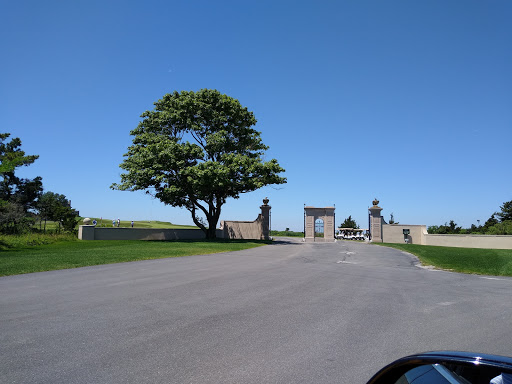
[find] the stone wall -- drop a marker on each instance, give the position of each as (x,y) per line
(243,229)
(470,241)
(90,232)
(394,233)
(258,229)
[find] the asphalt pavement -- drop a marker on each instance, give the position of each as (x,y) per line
(290,312)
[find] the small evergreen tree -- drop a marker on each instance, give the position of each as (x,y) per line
(349,223)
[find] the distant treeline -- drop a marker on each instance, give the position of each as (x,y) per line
(287,233)
(500,223)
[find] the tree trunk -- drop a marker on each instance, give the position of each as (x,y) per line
(212,216)
(212,226)
(211,232)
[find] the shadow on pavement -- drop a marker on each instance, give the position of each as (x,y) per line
(287,240)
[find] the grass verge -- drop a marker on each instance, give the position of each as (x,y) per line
(495,262)
(287,233)
(140,224)
(52,226)
(12,242)
(64,254)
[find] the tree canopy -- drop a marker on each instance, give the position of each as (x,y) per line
(500,223)
(195,150)
(56,207)
(22,200)
(12,188)
(349,223)
(11,156)
(17,196)
(491,221)
(506,211)
(450,228)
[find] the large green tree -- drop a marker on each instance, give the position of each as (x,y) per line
(195,150)
(56,207)
(18,196)
(12,188)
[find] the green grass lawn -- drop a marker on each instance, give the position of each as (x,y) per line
(53,226)
(287,233)
(67,253)
(495,262)
(140,224)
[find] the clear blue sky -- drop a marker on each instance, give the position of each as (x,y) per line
(406,101)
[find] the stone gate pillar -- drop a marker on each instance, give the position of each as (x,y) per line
(376,222)
(265,215)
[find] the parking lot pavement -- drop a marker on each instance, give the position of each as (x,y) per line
(288,312)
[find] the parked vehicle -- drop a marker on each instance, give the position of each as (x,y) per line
(446,367)
(350,235)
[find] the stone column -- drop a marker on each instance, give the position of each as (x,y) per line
(310,226)
(329,224)
(376,222)
(265,215)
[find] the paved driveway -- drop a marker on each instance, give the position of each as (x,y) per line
(285,313)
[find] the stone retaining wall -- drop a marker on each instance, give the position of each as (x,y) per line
(243,229)
(258,229)
(392,233)
(90,232)
(470,241)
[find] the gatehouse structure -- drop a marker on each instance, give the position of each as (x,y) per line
(316,221)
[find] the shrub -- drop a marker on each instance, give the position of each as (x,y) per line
(503,228)
(32,239)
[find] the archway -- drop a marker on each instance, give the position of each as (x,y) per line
(319,227)
(324,217)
